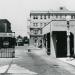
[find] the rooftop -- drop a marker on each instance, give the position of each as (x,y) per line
(60,10)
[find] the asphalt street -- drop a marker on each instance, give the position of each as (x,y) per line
(28,63)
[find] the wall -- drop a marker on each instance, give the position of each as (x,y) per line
(59,25)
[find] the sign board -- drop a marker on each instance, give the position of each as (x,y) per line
(6,43)
(7,35)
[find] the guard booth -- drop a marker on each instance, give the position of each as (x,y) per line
(7,45)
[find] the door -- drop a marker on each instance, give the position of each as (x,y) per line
(61,44)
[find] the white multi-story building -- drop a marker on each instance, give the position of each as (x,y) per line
(38,19)
(44,24)
(59,33)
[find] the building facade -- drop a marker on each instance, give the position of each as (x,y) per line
(37,21)
(57,32)
(49,29)
(7,40)
(5,25)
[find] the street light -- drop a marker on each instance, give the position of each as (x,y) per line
(68,17)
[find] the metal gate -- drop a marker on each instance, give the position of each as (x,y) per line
(7,52)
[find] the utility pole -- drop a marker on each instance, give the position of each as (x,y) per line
(68,34)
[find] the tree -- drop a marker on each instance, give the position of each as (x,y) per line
(25,40)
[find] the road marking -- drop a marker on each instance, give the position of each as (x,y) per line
(3,68)
(17,69)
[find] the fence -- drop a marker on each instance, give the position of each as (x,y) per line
(7,52)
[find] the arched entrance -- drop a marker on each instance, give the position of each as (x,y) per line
(61,43)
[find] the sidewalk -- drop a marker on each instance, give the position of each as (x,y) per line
(68,60)
(5,62)
(42,53)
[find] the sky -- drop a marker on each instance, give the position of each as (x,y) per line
(17,11)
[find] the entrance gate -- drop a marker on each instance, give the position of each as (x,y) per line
(61,43)
(7,53)
(7,47)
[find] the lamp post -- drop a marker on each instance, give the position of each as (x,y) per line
(68,17)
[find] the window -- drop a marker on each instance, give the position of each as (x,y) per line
(35,31)
(60,16)
(44,16)
(40,24)
(35,24)
(72,16)
(56,16)
(49,16)
(35,40)
(61,8)
(65,15)
(31,31)
(41,31)
(41,17)
(44,24)
(35,17)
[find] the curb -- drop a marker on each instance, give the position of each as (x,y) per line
(70,61)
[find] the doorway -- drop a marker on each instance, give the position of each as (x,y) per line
(61,43)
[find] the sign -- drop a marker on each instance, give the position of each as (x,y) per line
(5,43)
(7,35)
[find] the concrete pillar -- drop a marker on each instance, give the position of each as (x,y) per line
(74,40)
(53,53)
(46,41)
(43,39)
(42,42)
(31,42)
(68,45)
(74,43)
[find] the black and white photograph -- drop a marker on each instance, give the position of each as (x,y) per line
(37,37)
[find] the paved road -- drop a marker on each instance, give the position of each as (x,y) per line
(31,64)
